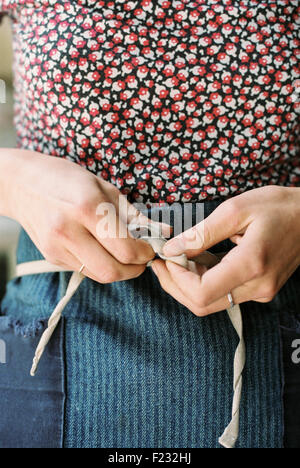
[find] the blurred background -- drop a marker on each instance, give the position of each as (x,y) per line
(9,229)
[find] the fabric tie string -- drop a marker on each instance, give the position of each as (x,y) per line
(155,239)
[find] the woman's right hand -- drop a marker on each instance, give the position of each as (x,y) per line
(56,202)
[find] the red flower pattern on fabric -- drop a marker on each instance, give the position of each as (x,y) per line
(170,100)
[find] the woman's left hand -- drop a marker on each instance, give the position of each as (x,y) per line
(264,224)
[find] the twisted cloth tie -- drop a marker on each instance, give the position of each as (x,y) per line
(157,242)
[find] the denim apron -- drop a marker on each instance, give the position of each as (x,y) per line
(129,367)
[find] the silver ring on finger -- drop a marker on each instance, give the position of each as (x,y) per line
(230,298)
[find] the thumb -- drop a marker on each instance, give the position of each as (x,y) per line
(224,222)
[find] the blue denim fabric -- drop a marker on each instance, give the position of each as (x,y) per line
(31,409)
(141,370)
(287,302)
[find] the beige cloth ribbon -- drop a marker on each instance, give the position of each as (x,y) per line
(230,435)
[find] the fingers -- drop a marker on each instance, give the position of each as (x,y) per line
(99,264)
(161,229)
(74,264)
(225,222)
(189,285)
(112,233)
(243,264)
(126,250)
(128,213)
(108,223)
(179,286)
(183,285)
(64,258)
(171,287)
(226,276)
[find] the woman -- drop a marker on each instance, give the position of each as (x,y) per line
(165,101)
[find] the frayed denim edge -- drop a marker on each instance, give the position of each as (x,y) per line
(28,330)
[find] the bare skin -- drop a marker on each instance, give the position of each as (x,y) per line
(56,202)
(264,224)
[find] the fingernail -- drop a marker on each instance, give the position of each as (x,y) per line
(174,247)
